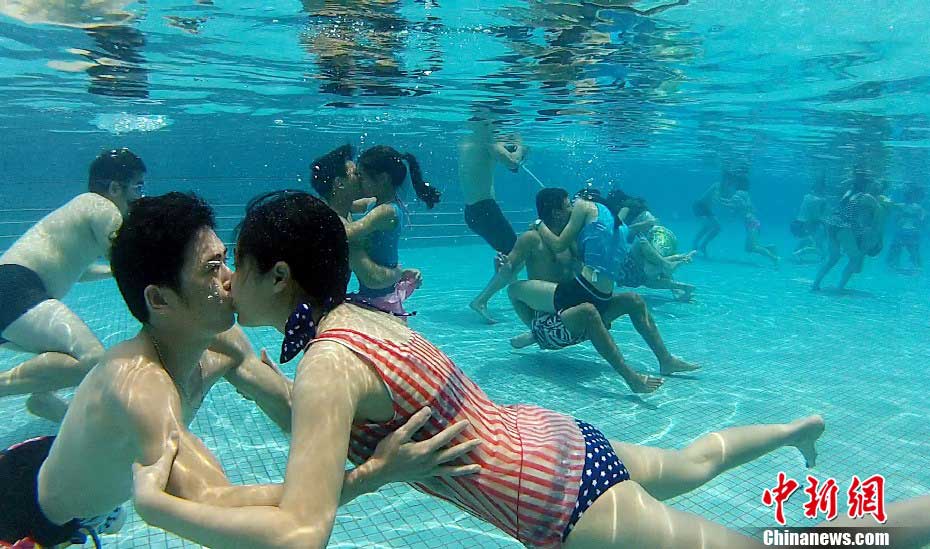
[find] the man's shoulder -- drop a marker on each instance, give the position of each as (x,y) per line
(92,204)
(128,379)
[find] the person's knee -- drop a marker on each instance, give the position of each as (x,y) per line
(636,303)
(588,314)
(513,291)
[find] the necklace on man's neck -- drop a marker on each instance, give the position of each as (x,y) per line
(185,393)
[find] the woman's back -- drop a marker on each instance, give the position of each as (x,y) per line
(531,458)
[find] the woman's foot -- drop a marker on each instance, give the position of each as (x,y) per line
(47,406)
(808,430)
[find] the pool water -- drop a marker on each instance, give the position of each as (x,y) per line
(771,351)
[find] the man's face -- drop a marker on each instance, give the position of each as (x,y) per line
(126,192)
(205,280)
(560,216)
(349,184)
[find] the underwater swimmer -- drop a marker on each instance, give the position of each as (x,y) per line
(145,392)
(541,478)
(42,266)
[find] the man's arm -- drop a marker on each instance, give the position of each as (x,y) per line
(362,204)
(512,159)
(105,221)
(370,273)
(257,379)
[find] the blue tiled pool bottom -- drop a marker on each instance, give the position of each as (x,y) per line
(771,350)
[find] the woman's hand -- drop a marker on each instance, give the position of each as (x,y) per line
(149,481)
(399,459)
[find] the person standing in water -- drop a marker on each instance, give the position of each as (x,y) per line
(40,268)
(910,220)
(808,226)
(855,228)
(381,172)
(479,154)
(546,479)
(731,194)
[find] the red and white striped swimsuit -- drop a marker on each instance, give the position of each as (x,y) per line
(531,458)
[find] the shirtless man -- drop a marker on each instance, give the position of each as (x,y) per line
(175,281)
(581,322)
(43,265)
(478,154)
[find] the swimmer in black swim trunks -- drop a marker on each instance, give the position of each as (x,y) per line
(40,268)
(556,330)
(478,154)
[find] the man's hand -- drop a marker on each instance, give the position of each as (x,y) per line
(398,459)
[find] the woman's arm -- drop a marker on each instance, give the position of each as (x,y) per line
(382,218)
(362,204)
(331,383)
(325,398)
(581,212)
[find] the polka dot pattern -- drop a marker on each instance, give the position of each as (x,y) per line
(602,469)
(298,332)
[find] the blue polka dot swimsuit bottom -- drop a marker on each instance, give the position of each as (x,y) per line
(602,469)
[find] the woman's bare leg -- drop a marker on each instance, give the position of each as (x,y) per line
(910,518)
(669,473)
(628,516)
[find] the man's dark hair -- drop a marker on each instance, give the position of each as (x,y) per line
(383,159)
(548,200)
(302,231)
(325,169)
(118,165)
(151,245)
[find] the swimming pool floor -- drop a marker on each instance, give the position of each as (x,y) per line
(772,351)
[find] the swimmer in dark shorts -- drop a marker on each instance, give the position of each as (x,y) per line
(479,153)
(21,518)
(21,289)
(40,268)
(487,220)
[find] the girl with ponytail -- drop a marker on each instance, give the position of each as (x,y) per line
(381,171)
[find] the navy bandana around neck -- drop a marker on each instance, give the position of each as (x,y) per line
(298,333)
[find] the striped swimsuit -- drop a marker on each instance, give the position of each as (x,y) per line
(532,459)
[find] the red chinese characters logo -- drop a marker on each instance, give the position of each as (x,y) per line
(865,497)
(822,500)
(779,495)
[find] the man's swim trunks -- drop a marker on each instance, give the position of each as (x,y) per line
(21,518)
(21,289)
(487,220)
(550,332)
